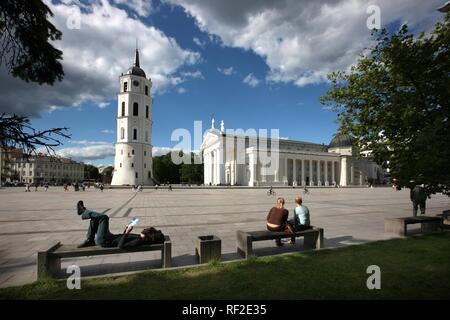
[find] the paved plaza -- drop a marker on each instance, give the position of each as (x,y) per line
(30,222)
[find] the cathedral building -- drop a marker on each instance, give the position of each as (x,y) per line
(293,163)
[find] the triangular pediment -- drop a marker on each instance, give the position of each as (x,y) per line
(210,139)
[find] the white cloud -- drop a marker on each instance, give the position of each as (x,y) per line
(160,151)
(181,90)
(89,152)
(251,80)
(88,142)
(226,71)
(108,131)
(142,7)
(103,105)
(198,42)
(195,74)
(300,40)
(94,56)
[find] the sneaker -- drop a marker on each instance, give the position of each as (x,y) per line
(87,243)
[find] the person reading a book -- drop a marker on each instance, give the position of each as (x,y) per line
(99,234)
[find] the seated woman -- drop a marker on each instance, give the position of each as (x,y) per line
(301,219)
(277,219)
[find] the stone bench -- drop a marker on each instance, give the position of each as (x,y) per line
(312,238)
(49,261)
(398,226)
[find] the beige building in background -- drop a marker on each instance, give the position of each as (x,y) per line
(40,168)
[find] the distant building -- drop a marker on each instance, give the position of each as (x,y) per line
(40,168)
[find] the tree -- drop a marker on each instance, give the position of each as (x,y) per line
(24,39)
(192,173)
(395,102)
(164,170)
(91,172)
(16,132)
(107,174)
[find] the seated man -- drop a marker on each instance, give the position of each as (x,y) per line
(277,219)
(99,225)
(301,219)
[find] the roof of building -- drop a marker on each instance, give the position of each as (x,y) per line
(135,69)
(342,140)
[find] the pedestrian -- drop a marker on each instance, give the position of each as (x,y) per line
(46,187)
(418,197)
(101,187)
(170,187)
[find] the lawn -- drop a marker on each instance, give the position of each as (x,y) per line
(411,268)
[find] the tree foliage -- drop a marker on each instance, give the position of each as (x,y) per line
(165,171)
(24,41)
(91,172)
(395,101)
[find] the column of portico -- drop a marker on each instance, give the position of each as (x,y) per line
(318,173)
(286,170)
(206,164)
(311,181)
(352,173)
(252,167)
(333,177)
(294,172)
(303,172)
(326,172)
(343,179)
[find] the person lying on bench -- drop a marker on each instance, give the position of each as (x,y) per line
(277,220)
(99,228)
(98,231)
(301,219)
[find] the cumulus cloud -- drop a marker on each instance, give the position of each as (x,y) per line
(195,74)
(88,150)
(300,40)
(181,90)
(160,151)
(198,42)
(142,7)
(108,131)
(251,80)
(94,56)
(226,71)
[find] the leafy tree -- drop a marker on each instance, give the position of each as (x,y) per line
(24,41)
(395,101)
(91,172)
(164,170)
(192,173)
(107,174)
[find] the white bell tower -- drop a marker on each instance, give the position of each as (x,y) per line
(133,160)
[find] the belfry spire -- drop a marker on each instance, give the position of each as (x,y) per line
(136,56)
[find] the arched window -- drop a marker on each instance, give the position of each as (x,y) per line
(146,136)
(146,111)
(122,133)
(125,86)
(134,134)
(123,109)
(146,90)
(132,152)
(135,109)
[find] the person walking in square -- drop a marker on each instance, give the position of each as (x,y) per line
(418,198)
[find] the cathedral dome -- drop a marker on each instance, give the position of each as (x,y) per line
(342,140)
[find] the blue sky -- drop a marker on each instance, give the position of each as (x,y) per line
(284,94)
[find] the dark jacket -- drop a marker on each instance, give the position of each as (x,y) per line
(417,194)
(277,216)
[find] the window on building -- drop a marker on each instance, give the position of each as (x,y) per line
(146,136)
(132,165)
(146,90)
(122,133)
(121,151)
(132,151)
(146,111)
(149,174)
(145,165)
(123,109)
(125,86)
(121,164)
(136,175)
(145,153)
(134,134)
(135,109)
